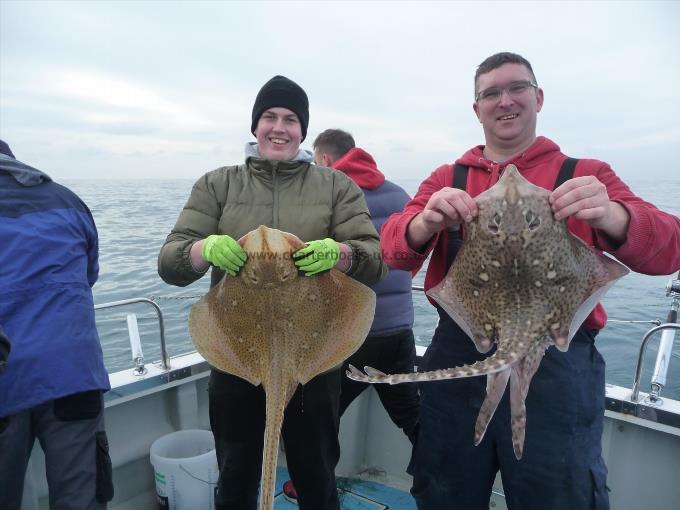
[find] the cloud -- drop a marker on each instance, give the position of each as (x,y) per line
(100,98)
(102,75)
(639,141)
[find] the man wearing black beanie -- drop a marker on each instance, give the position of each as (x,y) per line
(285,93)
(278,186)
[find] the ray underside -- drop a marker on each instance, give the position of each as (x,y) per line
(520,282)
(271,326)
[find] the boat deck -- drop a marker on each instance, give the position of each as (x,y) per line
(354,494)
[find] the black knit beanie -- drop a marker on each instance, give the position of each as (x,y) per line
(285,93)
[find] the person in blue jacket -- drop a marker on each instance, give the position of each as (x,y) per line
(52,387)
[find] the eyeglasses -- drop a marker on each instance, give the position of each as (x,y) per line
(515,90)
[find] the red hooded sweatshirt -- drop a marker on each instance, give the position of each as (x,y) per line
(360,166)
(652,245)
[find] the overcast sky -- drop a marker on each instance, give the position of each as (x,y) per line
(165,89)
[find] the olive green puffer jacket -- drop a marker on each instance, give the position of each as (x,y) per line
(307,200)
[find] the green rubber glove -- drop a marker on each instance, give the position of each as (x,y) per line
(222,251)
(317,256)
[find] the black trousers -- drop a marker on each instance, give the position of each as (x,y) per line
(392,354)
(310,437)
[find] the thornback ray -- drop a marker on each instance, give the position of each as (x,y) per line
(521,283)
(272,326)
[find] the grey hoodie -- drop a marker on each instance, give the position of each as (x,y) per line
(253,151)
(22,173)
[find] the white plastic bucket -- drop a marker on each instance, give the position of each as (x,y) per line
(186,472)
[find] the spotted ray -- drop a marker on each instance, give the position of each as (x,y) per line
(274,327)
(520,282)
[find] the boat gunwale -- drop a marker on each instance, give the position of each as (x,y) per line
(662,414)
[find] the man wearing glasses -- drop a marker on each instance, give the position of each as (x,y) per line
(562,466)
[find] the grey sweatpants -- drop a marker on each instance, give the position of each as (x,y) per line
(71,433)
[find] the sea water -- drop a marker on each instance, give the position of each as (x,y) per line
(134,217)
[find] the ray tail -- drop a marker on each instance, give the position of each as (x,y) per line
(495,363)
(520,379)
(276,401)
(518,413)
(496,387)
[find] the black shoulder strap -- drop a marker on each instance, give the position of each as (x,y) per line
(460,176)
(459,182)
(566,172)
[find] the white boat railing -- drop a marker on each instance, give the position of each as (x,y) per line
(663,356)
(139,359)
(638,369)
(630,405)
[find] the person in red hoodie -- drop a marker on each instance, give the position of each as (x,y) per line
(390,345)
(562,465)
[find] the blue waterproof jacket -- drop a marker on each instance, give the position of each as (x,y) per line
(394,304)
(48,264)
